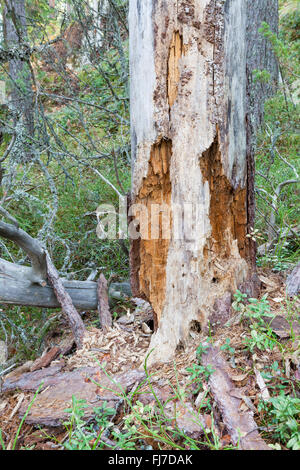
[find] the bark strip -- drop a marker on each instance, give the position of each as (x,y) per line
(241,426)
(103,306)
(65,301)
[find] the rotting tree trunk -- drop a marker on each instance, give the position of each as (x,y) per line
(192,151)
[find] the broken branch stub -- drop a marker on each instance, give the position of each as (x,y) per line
(103,305)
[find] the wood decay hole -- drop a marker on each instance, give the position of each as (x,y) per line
(150,277)
(228,206)
(196,326)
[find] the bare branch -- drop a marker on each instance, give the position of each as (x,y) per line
(31,247)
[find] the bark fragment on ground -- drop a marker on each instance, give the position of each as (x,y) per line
(241,425)
(103,305)
(30,381)
(183,417)
(46,359)
(282,327)
(180,415)
(89,383)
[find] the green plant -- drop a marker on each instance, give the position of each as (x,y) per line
(285,411)
(198,374)
(258,309)
(238,304)
(259,340)
(202,349)
(83,436)
(227,348)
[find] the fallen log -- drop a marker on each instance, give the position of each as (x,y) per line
(58,387)
(16,291)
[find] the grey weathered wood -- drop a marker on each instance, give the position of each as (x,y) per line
(23,292)
(38,272)
(192,113)
(293,282)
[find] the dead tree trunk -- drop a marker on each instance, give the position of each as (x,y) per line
(192,147)
(15,33)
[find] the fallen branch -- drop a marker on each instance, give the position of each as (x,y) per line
(41,269)
(241,426)
(66,303)
(16,289)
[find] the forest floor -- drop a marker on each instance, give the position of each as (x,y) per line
(103,396)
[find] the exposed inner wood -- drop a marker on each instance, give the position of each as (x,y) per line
(153,253)
(175,53)
(228,206)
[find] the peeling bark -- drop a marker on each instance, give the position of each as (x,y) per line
(241,426)
(190,89)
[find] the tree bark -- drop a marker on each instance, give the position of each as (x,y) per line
(103,305)
(15,33)
(192,151)
(65,301)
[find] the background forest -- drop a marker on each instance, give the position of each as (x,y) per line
(65,150)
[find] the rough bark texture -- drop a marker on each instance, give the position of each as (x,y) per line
(192,148)
(15,32)
(241,425)
(65,301)
(103,306)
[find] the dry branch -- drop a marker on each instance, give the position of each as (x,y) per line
(65,301)
(42,268)
(38,273)
(16,289)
